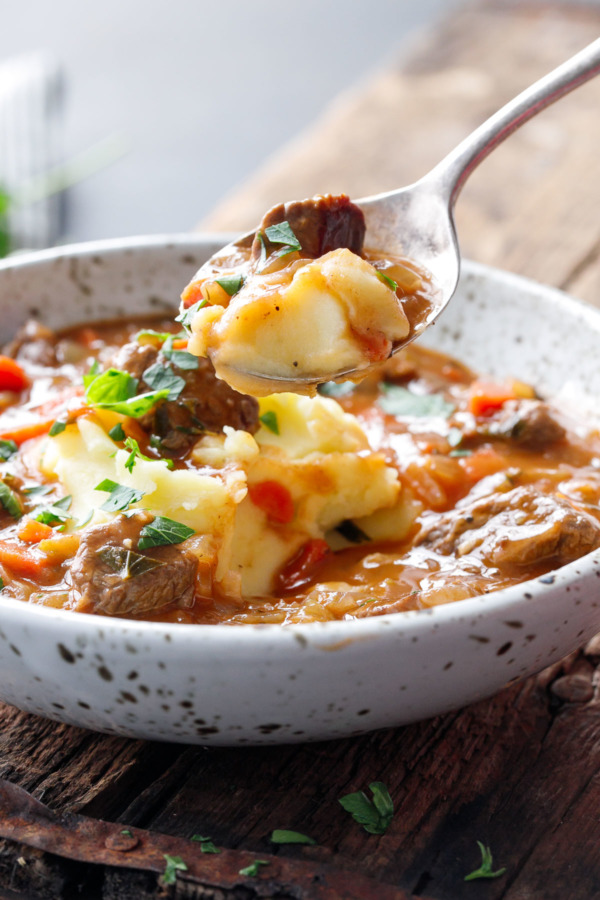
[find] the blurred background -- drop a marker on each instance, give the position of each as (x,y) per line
(137,116)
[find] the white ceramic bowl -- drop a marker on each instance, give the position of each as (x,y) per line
(266,684)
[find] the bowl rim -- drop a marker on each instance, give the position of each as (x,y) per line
(495,604)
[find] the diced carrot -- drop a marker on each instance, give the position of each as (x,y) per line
(482,462)
(87,336)
(12,376)
(192,293)
(274,499)
(26,432)
(33,532)
(486,397)
(301,569)
(21,561)
(180,344)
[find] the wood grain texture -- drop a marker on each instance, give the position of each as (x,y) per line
(520,772)
(532,207)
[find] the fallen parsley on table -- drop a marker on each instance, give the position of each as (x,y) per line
(283,836)
(374,815)
(174,864)
(206,844)
(485,869)
(253,869)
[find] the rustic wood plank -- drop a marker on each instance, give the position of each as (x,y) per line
(531,207)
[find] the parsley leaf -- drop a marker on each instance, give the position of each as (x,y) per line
(93,372)
(283,234)
(10,501)
(182,359)
(117,433)
(282,836)
(161,336)
(270,421)
(336,389)
(206,844)
(230,283)
(38,490)
(1,583)
(163,531)
(121,497)
(253,869)
(262,259)
(349,530)
(454,437)
(485,869)
(116,390)
(186,316)
(56,513)
(135,453)
(7,450)
(162,378)
(127,563)
(57,428)
(374,815)
(387,280)
(174,864)
(398,401)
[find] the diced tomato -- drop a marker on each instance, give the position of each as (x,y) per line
(12,376)
(33,532)
(486,397)
(274,499)
(301,568)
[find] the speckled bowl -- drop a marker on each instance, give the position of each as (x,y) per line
(266,684)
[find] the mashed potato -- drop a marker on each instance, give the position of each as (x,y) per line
(261,498)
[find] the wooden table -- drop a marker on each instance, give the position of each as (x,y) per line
(521,772)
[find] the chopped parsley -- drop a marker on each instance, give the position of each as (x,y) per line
(206,844)
(270,421)
(387,280)
(174,865)
(283,234)
(231,284)
(121,497)
(38,490)
(485,869)
(116,390)
(186,316)
(161,336)
(10,501)
(262,259)
(93,372)
(374,815)
(454,437)
(126,832)
(282,836)
(398,401)
(349,530)
(7,450)
(54,514)
(135,453)
(182,359)
(336,389)
(163,531)
(127,563)
(460,453)
(162,378)
(117,433)
(57,428)
(253,869)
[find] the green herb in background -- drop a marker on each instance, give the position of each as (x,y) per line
(336,389)
(485,869)
(10,501)
(5,239)
(174,865)
(398,401)
(7,450)
(282,836)
(206,844)
(374,815)
(253,869)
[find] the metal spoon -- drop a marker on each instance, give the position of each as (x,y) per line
(417,221)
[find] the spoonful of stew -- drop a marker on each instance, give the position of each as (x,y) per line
(326,288)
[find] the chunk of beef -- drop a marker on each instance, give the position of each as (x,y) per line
(529,423)
(103,577)
(321,224)
(519,527)
(33,343)
(205,403)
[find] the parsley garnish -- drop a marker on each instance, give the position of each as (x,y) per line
(206,844)
(454,437)
(460,453)
(117,433)
(253,869)
(57,428)
(163,531)
(485,869)
(270,421)
(121,497)
(10,501)
(127,563)
(374,815)
(283,234)
(262,259)
(135,453)
(398,401)
(186,316)
(116,390)
(161,336)
(1,583)
(182,359)
(230,283)
(174,864)
(93,372)
(282,836)
(126,832)
(336,389)
(163,378)
(56,513)
(349,530)
(7,450)
(387,280)
(38,490)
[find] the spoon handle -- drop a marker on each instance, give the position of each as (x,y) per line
(452,172)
